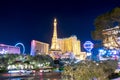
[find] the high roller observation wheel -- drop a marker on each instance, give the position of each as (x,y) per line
(22,46)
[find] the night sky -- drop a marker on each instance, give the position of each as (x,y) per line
(25,20)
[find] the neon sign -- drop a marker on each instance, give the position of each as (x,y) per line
(88,45)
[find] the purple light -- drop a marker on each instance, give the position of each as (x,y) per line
(88,45)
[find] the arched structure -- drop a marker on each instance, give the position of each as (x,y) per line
(22,46)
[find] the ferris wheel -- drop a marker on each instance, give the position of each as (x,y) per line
(23,47)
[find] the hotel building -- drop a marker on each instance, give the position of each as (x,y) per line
(8,49)
(38,47)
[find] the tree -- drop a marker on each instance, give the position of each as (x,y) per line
(88,70)
(106,21)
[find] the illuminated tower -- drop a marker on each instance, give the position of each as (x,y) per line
(54,44)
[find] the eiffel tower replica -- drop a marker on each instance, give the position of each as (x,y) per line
(54,44)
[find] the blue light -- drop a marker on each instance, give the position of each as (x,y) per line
(88,45)
(22,46)
(102,51)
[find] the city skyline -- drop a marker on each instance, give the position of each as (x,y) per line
(24,21)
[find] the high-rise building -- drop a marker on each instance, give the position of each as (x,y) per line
(63,45)
(38,47)
(71,44)
(111,37)
(8,49)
